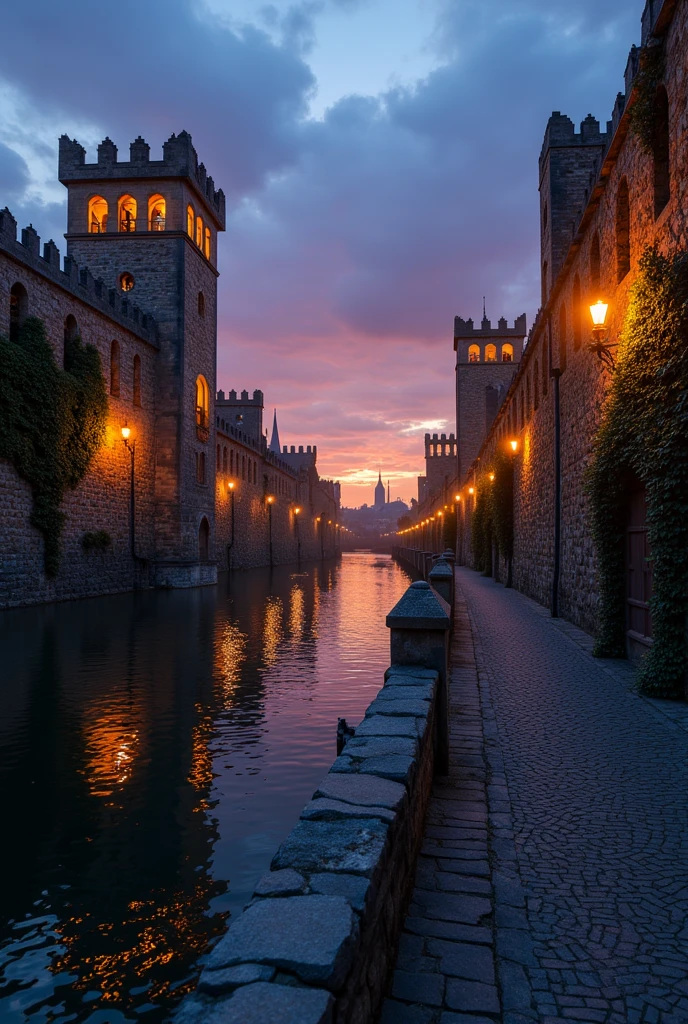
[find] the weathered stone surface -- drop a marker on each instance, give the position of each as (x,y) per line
(312,937)
(411,671)
(353,888)
(376,746)
(391,766)
(335,810)
(390,725)
(397,677)
(226,979)
(420,608)
(263,1003)
(365,791)
(420,691)
(400,707)
(280,883)
(354,847)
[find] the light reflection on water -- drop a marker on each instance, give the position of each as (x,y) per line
(155,749)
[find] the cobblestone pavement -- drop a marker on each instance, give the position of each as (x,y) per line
(587,790)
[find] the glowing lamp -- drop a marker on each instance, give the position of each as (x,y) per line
(457,497)
(296,511)
(440,514)
(471,490)
(270,499)
(230,485)
(598,312)
(126,433)
(514,445)
(491,477)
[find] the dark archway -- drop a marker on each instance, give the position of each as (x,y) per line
(204,540)
(19,308)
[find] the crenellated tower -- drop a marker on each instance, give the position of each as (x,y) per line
(149,229)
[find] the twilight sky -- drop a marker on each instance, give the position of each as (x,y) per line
(379,159)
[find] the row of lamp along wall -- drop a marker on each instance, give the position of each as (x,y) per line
(600,347)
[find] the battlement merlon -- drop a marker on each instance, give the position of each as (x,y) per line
(560,133)
(232,400)
(179,161)
(464,330)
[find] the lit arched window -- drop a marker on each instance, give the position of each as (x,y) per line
(562,338)
(156,213)
(199,232)
(623,231)
(203,538)
(201,304)
(71,333)
(660,150)
(507,353)
(202,407)
(190,217)
(114,369)
(595,264)
(137,380)
(206,244)
(19,305)
(126,213)
(576,313)
(97,215)
(490,353)
(473,353)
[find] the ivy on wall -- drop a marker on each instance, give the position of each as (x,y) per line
(643,438)
(52,422)
(643,113)
(493,514)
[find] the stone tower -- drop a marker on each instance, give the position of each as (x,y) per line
(569,166)
(487,359)
(149,229)
(440,462)
(379,492)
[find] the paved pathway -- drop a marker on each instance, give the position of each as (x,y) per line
(583,898)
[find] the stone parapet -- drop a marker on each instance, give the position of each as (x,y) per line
(317,941)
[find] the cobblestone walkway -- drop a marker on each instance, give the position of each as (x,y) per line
(587,789)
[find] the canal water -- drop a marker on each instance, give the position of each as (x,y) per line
(155,749)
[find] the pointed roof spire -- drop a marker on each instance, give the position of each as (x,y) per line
(274,445)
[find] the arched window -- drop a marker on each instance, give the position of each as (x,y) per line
(126,213)
(206,243)
(190,218)
(623,236)
(156,213)
(490,353)
(202,408)
(199,232)
(543,283)
(473,353)
(576,313)
(19,305)
(536,385)
(97,215)
(201,304)
(71,333)
(114,369)
(660,150)
(562,338)
(595,265)
(507,353)
(137,380)
(203,539)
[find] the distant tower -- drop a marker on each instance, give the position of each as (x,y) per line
(388,492)
(379,492)
(487,359)
(274,440)
(440,464)
(148,229)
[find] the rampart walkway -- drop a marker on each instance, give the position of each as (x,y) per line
(553,883)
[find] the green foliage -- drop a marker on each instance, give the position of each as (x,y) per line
(643,438)
(449,531)
(481,529)
(99,540)
(493,515)
(643,113)
(52,421)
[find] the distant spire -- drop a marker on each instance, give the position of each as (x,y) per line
(484,313)
(388,492)
(274,440)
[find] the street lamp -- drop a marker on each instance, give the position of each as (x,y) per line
(599,344)
(297,513)
(513,444)
(270,501)
(230,487)
(130,444)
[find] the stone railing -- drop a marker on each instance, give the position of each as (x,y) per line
(317,942)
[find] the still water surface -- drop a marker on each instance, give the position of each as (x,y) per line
(155,749)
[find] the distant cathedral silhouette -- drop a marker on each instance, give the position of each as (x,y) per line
(379,492)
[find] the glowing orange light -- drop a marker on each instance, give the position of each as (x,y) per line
(126,432)
(598,312)
(457,497)
(270,499)
(231,485)
(491,477)
(471,490)
(514,445)
(296,511)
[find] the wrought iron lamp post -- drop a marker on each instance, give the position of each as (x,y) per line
(599,344)
(130,445)
(230,487)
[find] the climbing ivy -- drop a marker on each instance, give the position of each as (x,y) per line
(643,113)
(643,438)
(493,515)
(52,422)
(481,529)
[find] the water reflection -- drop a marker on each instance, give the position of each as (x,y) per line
(154,751)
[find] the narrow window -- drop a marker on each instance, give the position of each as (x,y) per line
(623,240)
(114,369)
(206,244)
(19,304)
(562,338)
(156,213)
(507,353)
(660,149)
(490,353)
(202,408)
(97,215)
(595,265)
(536,385)
(190,217)
(203,539)
(576,313)
(137,380)
(543,283)
(126,212)
(71,333)
(201,304)
(199,232)
(473,353)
